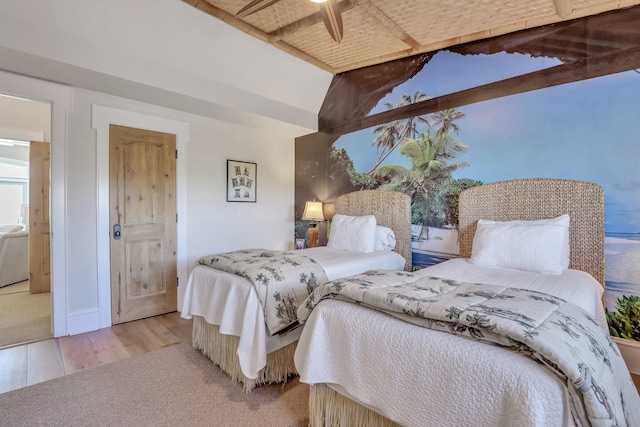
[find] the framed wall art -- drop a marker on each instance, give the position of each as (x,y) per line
(241,181)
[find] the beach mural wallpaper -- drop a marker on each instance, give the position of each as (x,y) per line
(586,130)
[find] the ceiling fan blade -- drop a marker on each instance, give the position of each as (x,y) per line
(333,19)
(255,6)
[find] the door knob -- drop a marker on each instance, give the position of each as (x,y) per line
(116,231)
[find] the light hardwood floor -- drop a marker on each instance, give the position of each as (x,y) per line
(32,363)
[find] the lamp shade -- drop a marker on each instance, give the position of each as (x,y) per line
(313,212)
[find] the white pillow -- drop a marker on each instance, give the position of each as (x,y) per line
(353,233)
(562,220)
(385,239)
(519,245)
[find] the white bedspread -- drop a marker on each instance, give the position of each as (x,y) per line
(429,378)
(425,378)
(230,301)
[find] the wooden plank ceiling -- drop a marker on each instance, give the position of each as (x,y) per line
(379,31)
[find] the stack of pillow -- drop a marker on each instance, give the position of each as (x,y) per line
(360,234)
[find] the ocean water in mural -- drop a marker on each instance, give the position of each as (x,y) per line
(622,252)
(586,130)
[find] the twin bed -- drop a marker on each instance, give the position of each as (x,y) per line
(228,318)
(370,367)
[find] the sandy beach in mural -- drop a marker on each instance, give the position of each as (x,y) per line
(622,257)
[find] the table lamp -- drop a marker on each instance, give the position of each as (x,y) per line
(313,213)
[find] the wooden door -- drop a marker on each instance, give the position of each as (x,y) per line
(39,237)
(142,203)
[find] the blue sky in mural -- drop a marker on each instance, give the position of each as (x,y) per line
(449,72)
(588,130)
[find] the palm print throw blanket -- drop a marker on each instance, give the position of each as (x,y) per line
(282,280)
(559,334)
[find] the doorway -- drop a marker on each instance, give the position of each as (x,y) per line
(25,315)
(102,119)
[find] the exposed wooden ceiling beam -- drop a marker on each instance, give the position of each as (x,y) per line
(255,6)
(390,25)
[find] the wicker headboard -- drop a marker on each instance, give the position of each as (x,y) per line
(540,198)
(391,209)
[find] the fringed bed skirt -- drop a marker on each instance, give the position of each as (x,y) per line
(221,350)
(328,408)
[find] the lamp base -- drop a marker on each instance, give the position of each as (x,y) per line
(312,235)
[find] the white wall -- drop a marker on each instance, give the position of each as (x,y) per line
(165,52)
(240,98)
(25,120)
(215,223)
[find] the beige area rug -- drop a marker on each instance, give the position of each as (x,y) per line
(173,386)
(24,317)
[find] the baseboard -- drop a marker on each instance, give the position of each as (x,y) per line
(630,350)
(78,323)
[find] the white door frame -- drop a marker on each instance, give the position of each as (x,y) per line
(102,117)
(60,98)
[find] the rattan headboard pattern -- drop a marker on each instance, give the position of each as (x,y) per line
(540,198)
(391,209)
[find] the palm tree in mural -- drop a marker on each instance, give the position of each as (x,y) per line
(429,174)
(391,135)
(446,120)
